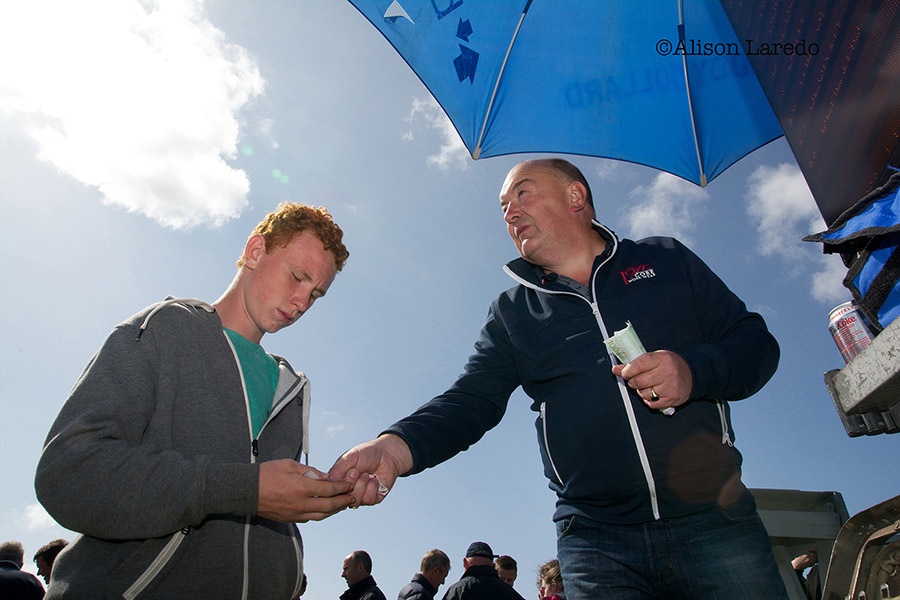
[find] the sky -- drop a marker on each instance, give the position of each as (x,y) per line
(140,142)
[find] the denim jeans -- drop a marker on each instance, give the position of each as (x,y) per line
(718,554)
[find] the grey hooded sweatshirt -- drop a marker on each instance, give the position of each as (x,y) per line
(152,460)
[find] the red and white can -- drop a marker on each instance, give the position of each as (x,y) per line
(850,333)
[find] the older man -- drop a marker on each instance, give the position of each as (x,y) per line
(650,501)
(480,580)
(14,582)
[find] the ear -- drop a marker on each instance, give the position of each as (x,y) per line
(576,196)
(254,250)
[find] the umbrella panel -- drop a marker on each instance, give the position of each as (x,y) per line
(838,97)
(590,77)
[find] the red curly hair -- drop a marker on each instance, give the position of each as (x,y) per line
(280,226)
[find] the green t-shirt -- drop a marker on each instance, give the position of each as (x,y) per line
(260,371)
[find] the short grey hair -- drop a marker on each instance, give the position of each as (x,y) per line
(433,559)
(13,551)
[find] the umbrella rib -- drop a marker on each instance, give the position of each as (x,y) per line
(487,113)
(687,87)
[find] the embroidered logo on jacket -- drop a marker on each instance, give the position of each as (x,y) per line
(632,274)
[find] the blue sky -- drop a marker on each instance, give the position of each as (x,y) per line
(139,146)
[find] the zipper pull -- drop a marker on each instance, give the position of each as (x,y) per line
(254,447)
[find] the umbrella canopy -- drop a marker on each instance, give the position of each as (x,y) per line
(663,84)
(838,95)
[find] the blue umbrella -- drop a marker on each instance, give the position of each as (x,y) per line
(659,83)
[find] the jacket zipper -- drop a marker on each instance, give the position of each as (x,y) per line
(726,434)
(286,398)
(141,583)
(254,452)
(547,442)
(632,421)
(299,556)
(623,389)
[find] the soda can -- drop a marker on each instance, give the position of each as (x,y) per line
(850,333)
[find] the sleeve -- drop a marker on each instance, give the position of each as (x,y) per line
(451,422)
(738,355)
(96,476)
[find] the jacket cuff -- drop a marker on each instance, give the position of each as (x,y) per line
(232,489)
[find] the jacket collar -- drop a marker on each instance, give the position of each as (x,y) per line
(356,590)
(481,571)
(423,581)
(529,274)
(8,565)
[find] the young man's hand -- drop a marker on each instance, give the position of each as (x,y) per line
(293,493)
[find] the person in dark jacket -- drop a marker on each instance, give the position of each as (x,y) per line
(357,571)
(46,556)
(480,580)
(14,582)
(641,455)
(433,571)
(507,569)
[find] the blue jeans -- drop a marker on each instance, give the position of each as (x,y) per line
(717,554)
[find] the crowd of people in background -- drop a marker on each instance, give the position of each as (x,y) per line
(486,576)
(16,584)
(482,569)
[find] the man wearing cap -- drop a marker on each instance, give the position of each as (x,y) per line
(480,580)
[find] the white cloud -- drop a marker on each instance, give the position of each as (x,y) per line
(608,170)
(333,417)
(453,153)
(38,518)
(827,283)
(665,207)
(331,430)
(138,99)
(784,211)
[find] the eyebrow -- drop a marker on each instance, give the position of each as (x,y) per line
(516,186)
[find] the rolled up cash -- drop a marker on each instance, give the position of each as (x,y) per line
(627,346)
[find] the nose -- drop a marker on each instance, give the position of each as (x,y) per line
(512,212)
(301,301)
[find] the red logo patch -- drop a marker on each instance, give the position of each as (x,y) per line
(632,274)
